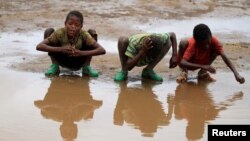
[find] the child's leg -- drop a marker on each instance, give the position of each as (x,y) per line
(54,67)
(202,74)
(182,48)
(122,47)
(87,69)
(46,34)
(94,35)
(148,70)
(184,71)
(160,56)
(213,57)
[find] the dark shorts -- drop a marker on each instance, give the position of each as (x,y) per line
(74,63)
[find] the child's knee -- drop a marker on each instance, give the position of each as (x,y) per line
(93,33)
(123,39)
(123,42)
(48,32)
(183,45)
(214,55)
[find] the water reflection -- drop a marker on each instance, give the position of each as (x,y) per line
(139,107)
(68,100)
(193,102)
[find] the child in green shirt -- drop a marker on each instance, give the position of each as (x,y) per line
(71,46)
(145,50)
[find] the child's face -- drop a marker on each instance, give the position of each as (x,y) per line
(73,26)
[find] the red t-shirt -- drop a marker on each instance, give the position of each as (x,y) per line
(199,55)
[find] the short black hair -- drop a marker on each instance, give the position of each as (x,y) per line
(75,13)
(201,32)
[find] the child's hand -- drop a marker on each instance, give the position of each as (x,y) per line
(73,48)
(76,53)
(209,68)
(147,44)
(240,79)
(66,49)
(173,62)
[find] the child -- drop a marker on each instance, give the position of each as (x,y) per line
(71,47)
(145,50)
(199,52)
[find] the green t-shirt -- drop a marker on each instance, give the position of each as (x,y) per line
(135,44)
(60,38)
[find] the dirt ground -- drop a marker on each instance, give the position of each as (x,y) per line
(113,18)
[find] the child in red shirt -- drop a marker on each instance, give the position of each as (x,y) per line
(199,52)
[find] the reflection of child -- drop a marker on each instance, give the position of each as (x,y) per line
(145,49)
(193,102)
(199,52)
(71,46)
(69,105)
(146,116)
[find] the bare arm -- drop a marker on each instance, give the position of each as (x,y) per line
(147,45)
(70,50)
(97,49)
(239,78)
(44,46)
(173,59)
(131,62)
(174,43)
(185,63)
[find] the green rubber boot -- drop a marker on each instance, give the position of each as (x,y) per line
(53,70)
(150,74)
(120,76)
(88,71)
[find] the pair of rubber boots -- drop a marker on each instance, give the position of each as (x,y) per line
(146,73)
(86,71)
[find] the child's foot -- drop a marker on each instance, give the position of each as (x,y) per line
(53,70)
(88,71)
(206,76)
(150,74)
(120,76)
(182,77)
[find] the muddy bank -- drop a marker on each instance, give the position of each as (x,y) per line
(111,17)
(109,63)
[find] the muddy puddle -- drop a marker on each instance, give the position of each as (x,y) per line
(34,107)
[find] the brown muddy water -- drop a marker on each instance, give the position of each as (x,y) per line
(34,107)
